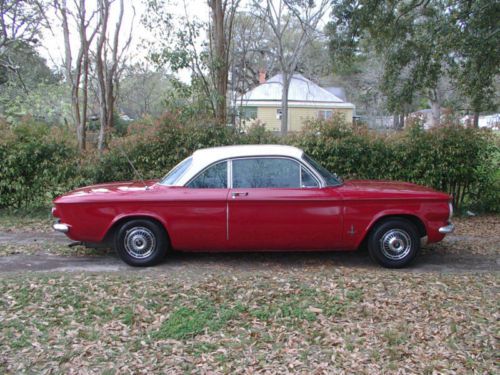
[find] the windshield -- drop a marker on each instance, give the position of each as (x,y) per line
(330,179)
(177,172)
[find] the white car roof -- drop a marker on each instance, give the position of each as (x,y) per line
(218,153)
(204,157)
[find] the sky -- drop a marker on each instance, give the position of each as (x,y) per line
(52,46)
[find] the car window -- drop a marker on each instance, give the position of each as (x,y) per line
(266,172)
(307,179)
(177,172)
(214,177)
(330,179)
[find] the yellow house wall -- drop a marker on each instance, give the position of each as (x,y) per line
(267,115)
(297,116)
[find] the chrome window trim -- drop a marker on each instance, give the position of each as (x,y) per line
(302,164)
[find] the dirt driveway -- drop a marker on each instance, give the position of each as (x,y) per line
(473,248)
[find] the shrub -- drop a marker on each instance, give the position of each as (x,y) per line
(38,162)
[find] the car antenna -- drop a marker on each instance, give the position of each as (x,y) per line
(133,168)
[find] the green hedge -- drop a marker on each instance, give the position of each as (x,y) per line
(39,162)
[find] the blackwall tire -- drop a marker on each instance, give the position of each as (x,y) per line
(141,243)
(394,243)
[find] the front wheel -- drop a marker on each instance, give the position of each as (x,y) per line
(394,243)
(141,243)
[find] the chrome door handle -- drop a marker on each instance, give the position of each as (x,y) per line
(239,194)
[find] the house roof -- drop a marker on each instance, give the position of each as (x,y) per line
(339,92)
(302,92)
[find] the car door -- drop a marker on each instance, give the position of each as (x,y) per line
(276,203)
(199,211)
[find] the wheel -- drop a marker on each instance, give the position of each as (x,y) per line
(394,243)
(141,243)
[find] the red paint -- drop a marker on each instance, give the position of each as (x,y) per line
(263,219)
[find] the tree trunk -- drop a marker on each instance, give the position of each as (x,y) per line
(436,113)
(284,104)
(475,121)
(219,61)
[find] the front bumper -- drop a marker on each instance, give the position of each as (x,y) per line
(59,227)
(447,229)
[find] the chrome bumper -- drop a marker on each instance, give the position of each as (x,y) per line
(63,228)
(447,229)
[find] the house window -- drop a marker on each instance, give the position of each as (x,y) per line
(279,114)
(248,113)
(325,114)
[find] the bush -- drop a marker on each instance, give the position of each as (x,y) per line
(461,161)
(38,162)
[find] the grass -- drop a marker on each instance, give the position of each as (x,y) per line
(360,321)
(39,219)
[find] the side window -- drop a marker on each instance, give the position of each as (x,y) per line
(307,180)
(214,177)
(266,172)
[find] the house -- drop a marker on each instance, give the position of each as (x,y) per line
(306,100)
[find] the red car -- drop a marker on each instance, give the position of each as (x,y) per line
(255,198)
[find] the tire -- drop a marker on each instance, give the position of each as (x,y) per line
(141,243)
(394,243)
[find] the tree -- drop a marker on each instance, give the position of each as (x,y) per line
(420,41)
(184,45)
(20,24)
(293,25)
(76,65)
(475,40)
(143,91)
(108,57)
(222,14)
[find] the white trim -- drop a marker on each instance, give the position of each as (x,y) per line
(291,104)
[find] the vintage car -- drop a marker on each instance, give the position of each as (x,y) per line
(255,198)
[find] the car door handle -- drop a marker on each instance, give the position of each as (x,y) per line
(239,194)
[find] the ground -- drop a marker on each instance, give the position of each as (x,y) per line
(87,312)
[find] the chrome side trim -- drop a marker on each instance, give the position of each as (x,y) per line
(447,229)
(63,228)
(227,220)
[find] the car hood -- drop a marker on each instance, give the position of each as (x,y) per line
(123,187)
(391,188)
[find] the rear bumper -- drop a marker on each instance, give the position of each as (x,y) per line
(59,227)
(447,229)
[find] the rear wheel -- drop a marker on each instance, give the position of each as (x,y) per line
(141,243)
(394,243)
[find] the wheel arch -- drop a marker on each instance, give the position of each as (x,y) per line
(118,222)
(414,219)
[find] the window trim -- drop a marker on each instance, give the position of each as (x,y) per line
(325,111)
(301,165)
(229,161)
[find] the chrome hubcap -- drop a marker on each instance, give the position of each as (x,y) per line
(140,242)
(395,244)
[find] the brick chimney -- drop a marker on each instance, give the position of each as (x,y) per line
(262,76)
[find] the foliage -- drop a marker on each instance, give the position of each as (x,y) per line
(39,162)
(422,42)
(461,161)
